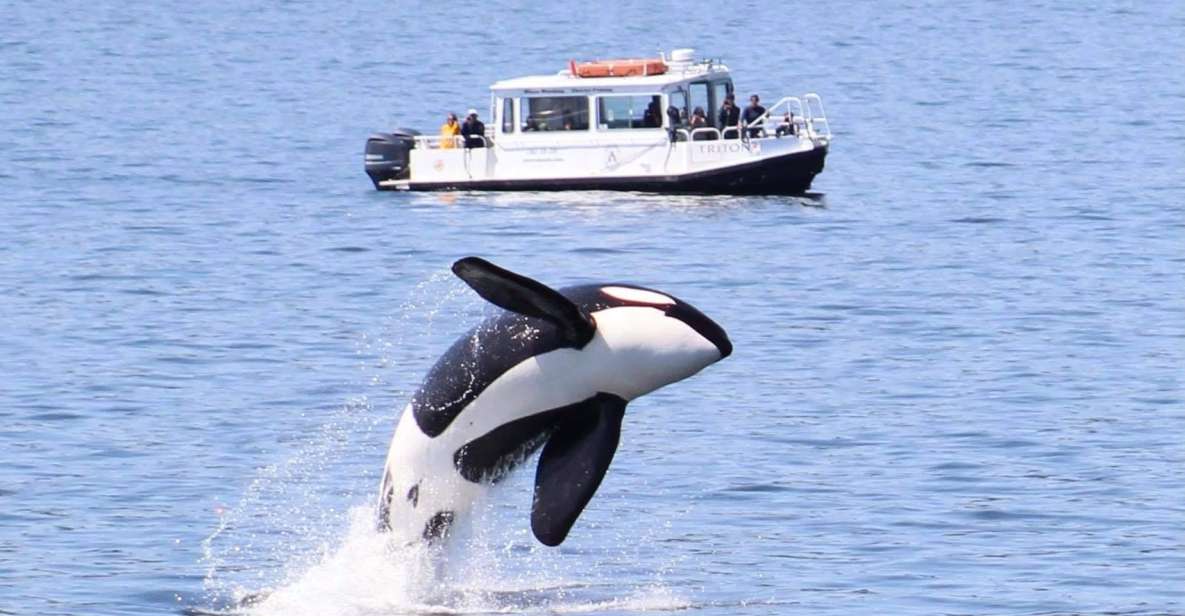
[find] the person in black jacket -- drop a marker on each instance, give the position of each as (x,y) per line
(752,112)
(676,121)
(729,117)
(473,131)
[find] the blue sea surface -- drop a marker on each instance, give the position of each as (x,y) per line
(958,384)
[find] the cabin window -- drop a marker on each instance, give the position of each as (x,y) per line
(699,97)
(644,111)
(508,115)
(556,113)
(678,100)
(720,89)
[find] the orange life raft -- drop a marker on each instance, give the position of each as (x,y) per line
(618,68)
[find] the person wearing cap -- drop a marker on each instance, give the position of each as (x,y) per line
(473,131)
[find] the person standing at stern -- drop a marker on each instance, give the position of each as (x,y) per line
(451,128)
(473,130)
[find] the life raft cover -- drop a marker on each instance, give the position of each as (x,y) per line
(629,67)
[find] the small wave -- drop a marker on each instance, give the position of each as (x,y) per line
(595,250)
(758,487)
(57,416)
(978,220)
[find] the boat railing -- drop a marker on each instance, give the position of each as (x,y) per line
(705,133)
(815,116)
(437,142)
(806,114)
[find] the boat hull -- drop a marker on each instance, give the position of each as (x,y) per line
(787,174)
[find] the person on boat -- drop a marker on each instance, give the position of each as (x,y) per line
(753,112)
(653,116)
(451,128)
(730,116)
(473,131)
(699,120)
(676,121)
(787,125)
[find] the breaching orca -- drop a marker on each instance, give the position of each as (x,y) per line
(555,370)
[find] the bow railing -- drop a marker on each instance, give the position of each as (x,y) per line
(798,116)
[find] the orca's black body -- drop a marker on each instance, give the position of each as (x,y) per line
(556,371)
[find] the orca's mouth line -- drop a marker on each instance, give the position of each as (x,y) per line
(703,326)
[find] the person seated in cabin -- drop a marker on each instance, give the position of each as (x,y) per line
(451,128)
(699,120)
(730,116)
(473,131)
(753,113)
(787,126)
(652,118)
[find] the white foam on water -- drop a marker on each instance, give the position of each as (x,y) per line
(341,565)
(366,576)
(303,539)
(363,576)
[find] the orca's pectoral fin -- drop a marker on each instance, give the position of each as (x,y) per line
(520,294)
(572,465)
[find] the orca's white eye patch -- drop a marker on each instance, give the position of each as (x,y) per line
(638,296)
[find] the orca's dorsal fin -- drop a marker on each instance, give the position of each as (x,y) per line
(572,465)
(528,297)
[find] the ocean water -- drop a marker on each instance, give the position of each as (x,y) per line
(958,379)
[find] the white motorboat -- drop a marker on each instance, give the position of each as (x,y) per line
(615,125)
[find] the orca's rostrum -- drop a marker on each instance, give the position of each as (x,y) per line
(617,125)
(555,371)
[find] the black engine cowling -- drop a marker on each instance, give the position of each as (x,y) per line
(388,155)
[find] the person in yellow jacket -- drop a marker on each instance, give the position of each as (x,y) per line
(451,128)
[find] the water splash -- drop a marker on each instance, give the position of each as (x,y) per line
(302,539)
(294,512)
(368,576)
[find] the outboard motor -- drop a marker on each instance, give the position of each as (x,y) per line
(388,155)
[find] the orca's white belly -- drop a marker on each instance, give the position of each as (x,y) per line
(427,465)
